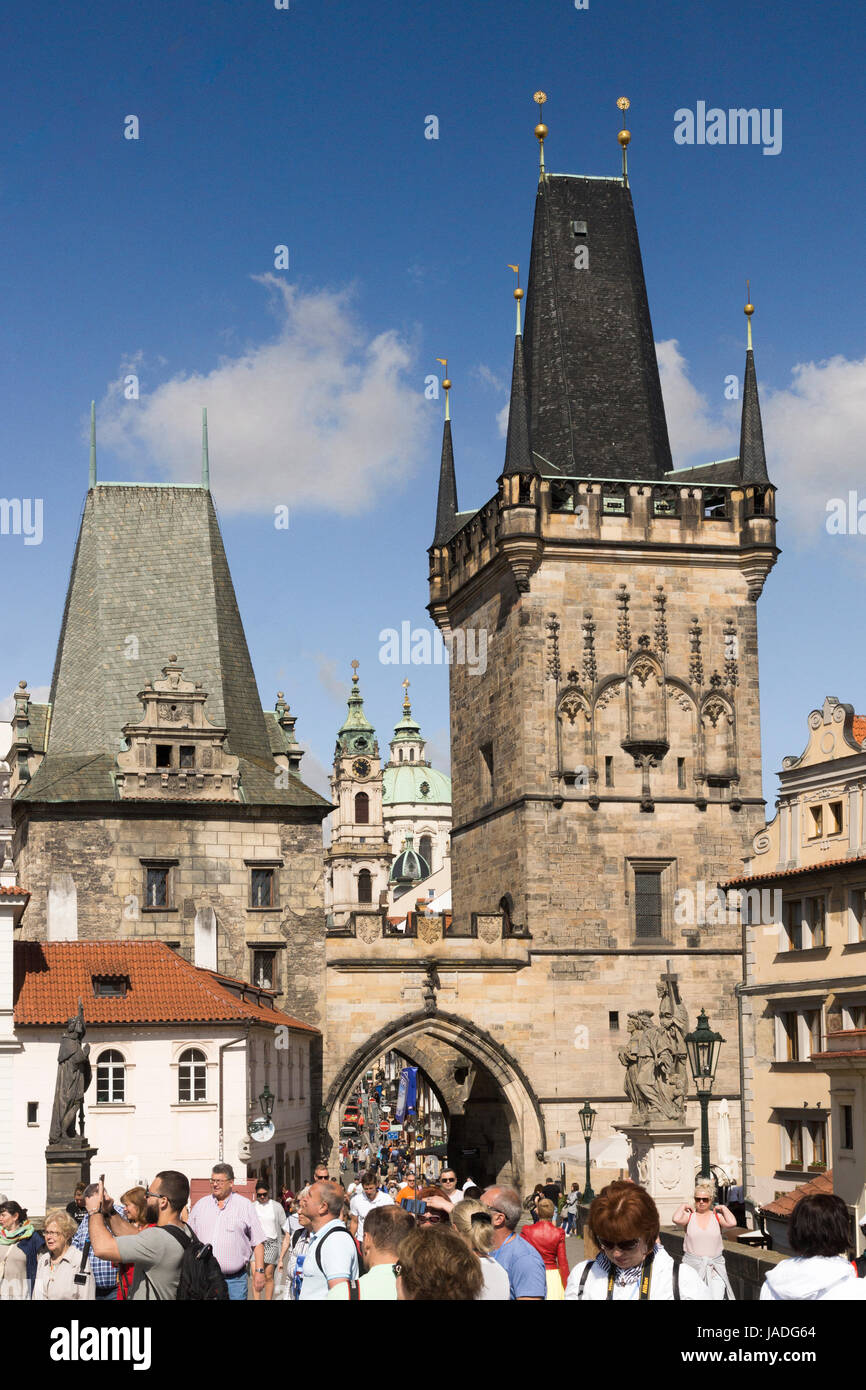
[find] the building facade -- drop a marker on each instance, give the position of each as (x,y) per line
(608,755)
(805,953)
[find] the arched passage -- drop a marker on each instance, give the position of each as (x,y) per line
(495,1125)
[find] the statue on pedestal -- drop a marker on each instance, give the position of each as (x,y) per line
(74,1075)
(655,1059)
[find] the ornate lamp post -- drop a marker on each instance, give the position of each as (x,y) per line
(703,1049)
(266,1101)
(587,1120)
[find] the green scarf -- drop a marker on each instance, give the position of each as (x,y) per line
(13,1237)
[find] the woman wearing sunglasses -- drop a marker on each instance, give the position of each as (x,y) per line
(631,1264)
(702,1245)
(435,1207)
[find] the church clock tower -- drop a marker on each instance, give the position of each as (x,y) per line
(359,858)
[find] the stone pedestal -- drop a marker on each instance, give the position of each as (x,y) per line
(663,1161)
(66,1165)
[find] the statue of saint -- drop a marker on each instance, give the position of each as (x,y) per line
(74,1075)
(655,1061)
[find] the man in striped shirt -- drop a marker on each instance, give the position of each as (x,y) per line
(228,1222)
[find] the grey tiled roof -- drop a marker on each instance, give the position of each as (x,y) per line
(150,579)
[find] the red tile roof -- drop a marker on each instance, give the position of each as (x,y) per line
(784,1206)
(790,873)
(51,976)
(14,892)
(859,728)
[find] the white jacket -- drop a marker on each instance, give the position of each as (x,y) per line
(809,1279)
(692,1287)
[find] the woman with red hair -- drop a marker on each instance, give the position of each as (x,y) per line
(631,1265)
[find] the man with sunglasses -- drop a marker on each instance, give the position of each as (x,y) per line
(520,1260)
(448,1183)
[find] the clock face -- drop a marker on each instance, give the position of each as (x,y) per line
(360,767)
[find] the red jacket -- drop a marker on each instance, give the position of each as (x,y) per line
(549,1241)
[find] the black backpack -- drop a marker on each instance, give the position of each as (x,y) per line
(201,1279)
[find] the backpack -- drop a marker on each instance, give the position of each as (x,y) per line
(201,1279)
(320,1243)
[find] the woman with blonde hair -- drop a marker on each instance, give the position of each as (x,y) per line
(474,1224)
(59,1276)
(702,1245)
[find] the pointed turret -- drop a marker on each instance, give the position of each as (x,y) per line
(446,507)
(356,733)
(753,460)
(518,455)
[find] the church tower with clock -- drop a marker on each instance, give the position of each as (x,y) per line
(358,860)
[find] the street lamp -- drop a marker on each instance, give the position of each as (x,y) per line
(266,1101)
(587,1120)
(703,1048)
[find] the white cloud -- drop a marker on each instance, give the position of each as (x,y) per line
(502,419)
(489,377)
(322,416)
(697,435)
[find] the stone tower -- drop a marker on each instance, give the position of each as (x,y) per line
(359,856)
(608,757)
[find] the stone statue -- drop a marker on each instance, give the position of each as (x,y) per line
(655,1059)
(74,1075)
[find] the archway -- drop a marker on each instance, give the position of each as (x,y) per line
(495,1128)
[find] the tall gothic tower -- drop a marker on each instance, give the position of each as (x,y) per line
(609,754)
(359,857)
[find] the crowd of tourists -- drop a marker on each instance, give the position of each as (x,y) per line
(382,1239)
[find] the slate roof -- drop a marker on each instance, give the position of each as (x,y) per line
(595,399)
(50,977)
(518,455)
(150,577)
(446,505)
(753,461)
(784,1206)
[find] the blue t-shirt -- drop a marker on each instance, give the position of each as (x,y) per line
(524,1267)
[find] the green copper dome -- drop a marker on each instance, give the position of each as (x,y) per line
(415,782)
(356,734)
(409,866)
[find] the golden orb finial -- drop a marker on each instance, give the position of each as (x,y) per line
(541,129)
(518,293)
(748,310)
(624,137)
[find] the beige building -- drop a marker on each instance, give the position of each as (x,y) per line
(805,958)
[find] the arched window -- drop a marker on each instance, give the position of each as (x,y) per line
(192,1076)
(110,1078)
(425,849)
(362,808)
(365,886)
(411,755)
(400,751)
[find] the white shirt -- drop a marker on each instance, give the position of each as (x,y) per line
(271,1217)
(361,1206)
(692,1287)
(339,1261)
(496,1282)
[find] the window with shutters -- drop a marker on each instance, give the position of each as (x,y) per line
(362,808)
(650,895)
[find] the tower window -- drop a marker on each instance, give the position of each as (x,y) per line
(156,888)
(608,772)
(187,756)
(365,886)
(846,1127)
(648,904)
(425,849)
(264,969)
(262,887)
(163,755)
(411,755)
(400,753)
(362,808)
(579,227)
(613,1021)
(681,773)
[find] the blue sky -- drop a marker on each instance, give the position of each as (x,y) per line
(305,127)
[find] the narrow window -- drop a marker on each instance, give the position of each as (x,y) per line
(613,1021)
(187,756)
(835,809)
(608,772)
(818,1136)
(163,755)
(792,1037)
(365,886)
(264,969)
(425,849)
(156,888)
(411,755)
(856,916)
(813,1029)
(33,1112)
(681,773)
(816,920)
(816,814)
(110,1078)
(262,887)
(648,903)
(846,1126)
(192,1076)
(793,919)
(795,1143)
(486,761)
(362,808)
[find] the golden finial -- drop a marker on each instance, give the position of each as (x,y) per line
(541,128)
(446,386)
(354,665)
(518,294)
(624,136)
(406,706)
(748,311)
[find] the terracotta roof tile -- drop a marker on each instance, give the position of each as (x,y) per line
(784,1206)
(50,977)
(859,727)
(791,873)
(14,892)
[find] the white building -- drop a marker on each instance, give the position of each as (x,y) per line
(180,1057)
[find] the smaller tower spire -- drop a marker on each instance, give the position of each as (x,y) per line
(540,131)
(205,461)
(518,455)
(518,295)
(446,505)
(446,386)
(92,482)
(753,459)
(624,137)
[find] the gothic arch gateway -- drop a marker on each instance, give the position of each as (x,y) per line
(489,1103)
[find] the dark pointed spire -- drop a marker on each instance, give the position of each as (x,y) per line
(518,455)
(446,507)
(753,460)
